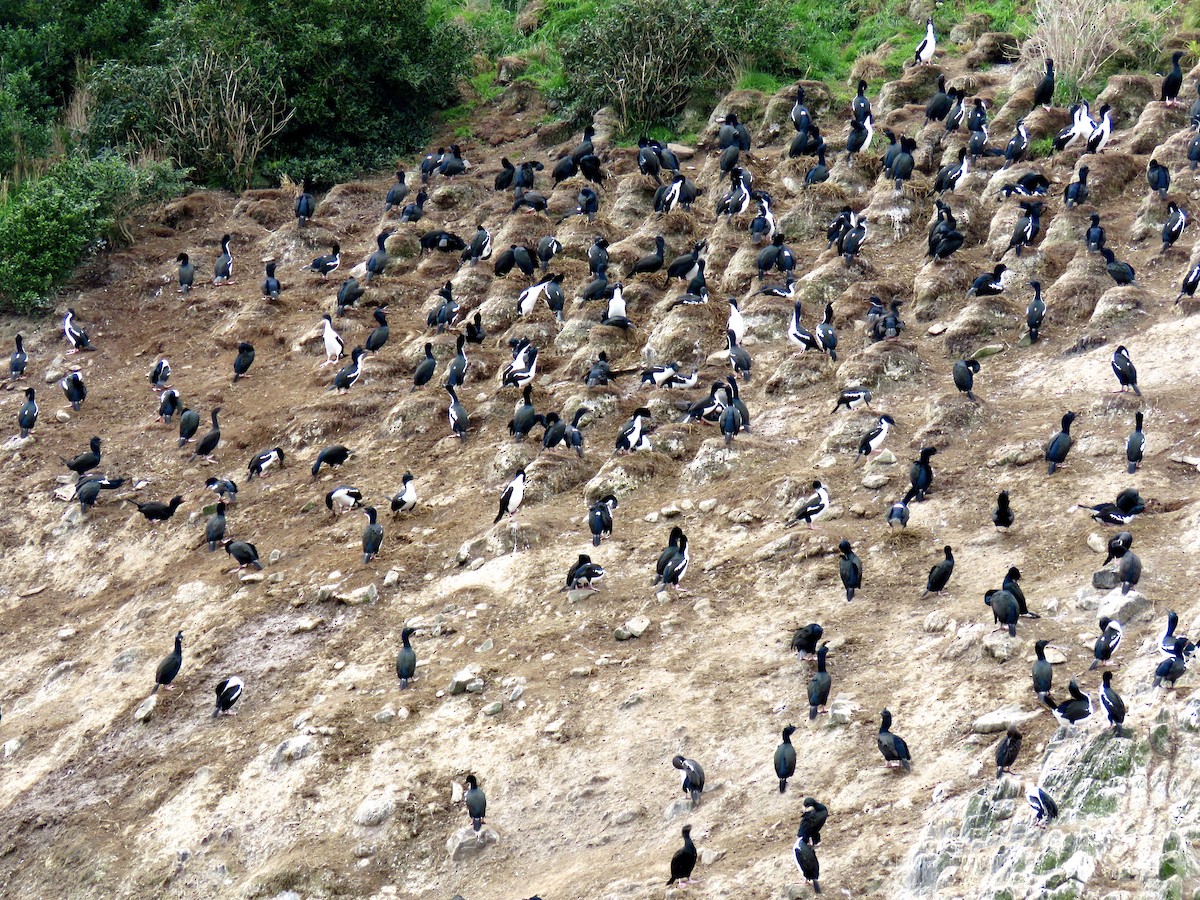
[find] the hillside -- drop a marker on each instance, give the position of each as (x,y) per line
(330,781)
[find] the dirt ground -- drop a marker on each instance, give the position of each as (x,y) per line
(576,762)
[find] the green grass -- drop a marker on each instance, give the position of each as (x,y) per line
(758,81)
(485,85)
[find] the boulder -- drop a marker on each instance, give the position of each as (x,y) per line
(1000,719)
(466,843)
(374,811)
(1124,608)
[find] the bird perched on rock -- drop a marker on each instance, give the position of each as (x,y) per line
(811,821)
(406,659)
(939,575)
(693,778)
(1173,667)
(27,416)
(684,859)
(476,803)
(895,752)
(806,861)
(600,518)
(1045,810)
(1007,750)
(1060,445)
(1113,705)
(1111,633)
(785,758)
(170,666)
(1130,571)
(1076,709)
(511,497)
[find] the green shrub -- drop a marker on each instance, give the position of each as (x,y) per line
(52,222)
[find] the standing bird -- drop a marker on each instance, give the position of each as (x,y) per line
(1094,237)
(261,462)
(1113,705)
(1007,750)
(379,335)
(76,336)
(28,415)
(898,512)
(1060,444)
(244,554)
(476,803)
(632,435)
(1123,368)
(223,268)
(187,273)
(459,418)
(1044,94)
(1173,667)
(18,360)
(214,528)
(1076,192)
(1118,270)
(87,460)
(684,859)
(425,369)
(693,778)
(1177,220)
(939,575)
(169,667)
(306,204)
(989,284)
(396,193)
(1135,445)
(406,659)
(785,759)
(208,444)
(1005,611)
(928,45)
(1158,177)
(805,640)
(1045,810)
(1130,571)
(1173,81)
(811,821)
(1035,313)
(155,511)
(335,347)
(818,685)
(377,262)
(920,475)
(872,441)
(372,538)
(964,377)
(600,518)
(326,263)
(850,569)
(812,507)
(406,500)
(582,574)
(271,288)
(1002,516)
(807,863)
(349,294)
(1166,643)
(510,499)
(894,750)
(228,691)
(1043,673)
(1118,546)
(74,389)
(243,361)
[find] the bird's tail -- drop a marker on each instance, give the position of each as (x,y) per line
(907,765)
(595,540)
(257,565)
(476,824)
(849,594)
(1136,390)
(1157,681)
(155,691)
(216,712)
(1012,629)
(695,798)
(1095,663)
(1125,587)
(783,785)
(1132,468)
(366,558)
(1052,467)
(212,545)
(816,886)
(812,712)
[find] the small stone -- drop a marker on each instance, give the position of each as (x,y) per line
(626,816)
(325,592)
(841,711)
(307,624)
(11,747)
(671,511)
(1000,719)
(466,843)
(65,634)
(989,350)
(630,702)
(274,556)
(359,596)
(621,633)
(637,625)
(364,851)
(553,727)
(517,693)
(385,715)
(651,517)
(876,481)
(1123,608)
(252,578)
(391,579)
(937,328)
(686,505)
(493,709)
(1097,542)
(708,856)
(475,686)
(486,646)
(476,564)
(146,709)
(1081,867)
(1085,599)
(579,595)
(374,811)
(677,808)
(456,792)
(936,621)
(858,510)
(62,416)
(885,458)
(707,506)
(292,749)
(581,672)
(999,645)
(1105,579)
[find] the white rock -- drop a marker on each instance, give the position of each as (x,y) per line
(65,634)
(307,624)
(1081,866)
(707,506)
(999,645)
(11,747)
(936,621)
(146,709)
(1097,542)
(385,715)
(374,811)
(999,720)
(875,481)
(292,749)
(885,458)
(463,677)
(637,625)
(456,792)
(1124,608)
(62,416)
(65,493)
(391,579)
(465,843)
(841,711)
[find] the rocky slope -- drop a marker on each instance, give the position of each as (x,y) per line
(330,781)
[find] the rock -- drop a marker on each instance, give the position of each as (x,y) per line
(553,727)
(374,811)
(621,633)
(874,482)
(274,556)
(999,645)
(581,672)
(391,579)
(936,621)
(252,578)
(475,686)
(292,749)
(885,458)
(1124,608)
(493,709)
(65,634)
(841,711)
(708,856)
(385,715)
(671,511)
(707,506)
(1001,719)
(146,709)
(62,416)
(307,624)
(358,596)
(677,808)
(11,747)
(579,594)
(1105,579)
(637,626)
(1097,542)
(466,843)
(1081,867)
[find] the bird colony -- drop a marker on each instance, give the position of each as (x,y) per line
(744,481)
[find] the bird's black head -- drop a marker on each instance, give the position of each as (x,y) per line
(810,802)
(845,547)
(182,258)
(948,551)
(1107,678)
(407,633)
(1013,574)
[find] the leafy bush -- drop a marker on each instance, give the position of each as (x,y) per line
(51,222)
(647,67)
